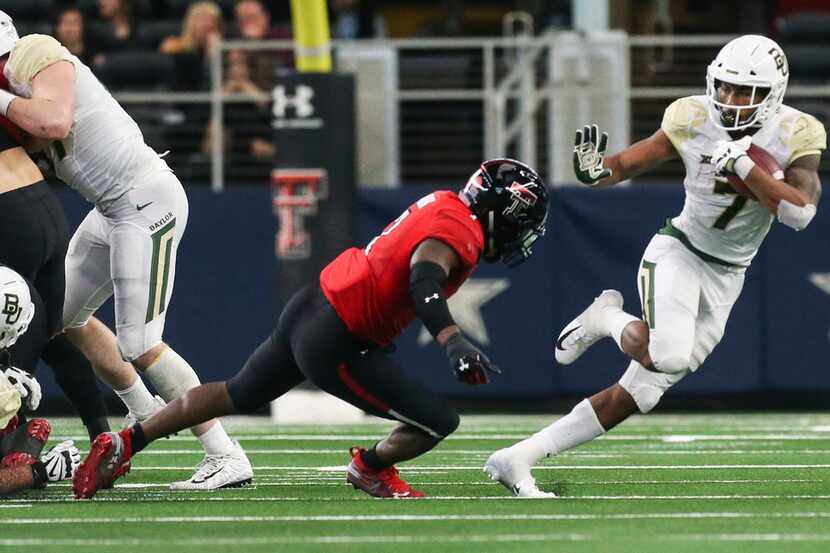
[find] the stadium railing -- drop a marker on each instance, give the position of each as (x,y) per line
(456,101)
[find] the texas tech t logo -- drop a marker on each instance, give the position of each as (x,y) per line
(11,308)
(295,195)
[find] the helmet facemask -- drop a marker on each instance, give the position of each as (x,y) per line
(756,63)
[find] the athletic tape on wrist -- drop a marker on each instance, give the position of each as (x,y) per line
(6,99)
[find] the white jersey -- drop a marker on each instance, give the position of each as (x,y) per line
(104,154)
(715,220)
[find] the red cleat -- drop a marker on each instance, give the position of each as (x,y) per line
(26,441)
(108,459)
(378,483)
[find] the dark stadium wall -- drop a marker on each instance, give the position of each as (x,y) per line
(776,340)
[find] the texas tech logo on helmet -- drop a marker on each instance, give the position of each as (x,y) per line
(523,198)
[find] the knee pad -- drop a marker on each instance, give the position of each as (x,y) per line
(171,375)
(647,387)
(671,364)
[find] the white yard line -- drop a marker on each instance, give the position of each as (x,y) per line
(167,497)
(466,538)
(671,438)
(411,518)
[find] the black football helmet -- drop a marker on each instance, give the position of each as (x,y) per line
(511,202)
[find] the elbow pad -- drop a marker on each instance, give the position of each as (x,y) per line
(427,296)
(794,216)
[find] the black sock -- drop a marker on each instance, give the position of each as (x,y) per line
(371,459)
(139,439)
(96,426)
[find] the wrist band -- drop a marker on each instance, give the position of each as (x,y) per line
(742,166)
(5,101)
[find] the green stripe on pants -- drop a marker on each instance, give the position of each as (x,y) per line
(646,281)
(160,270)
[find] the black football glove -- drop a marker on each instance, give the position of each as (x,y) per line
(589,151)
(469,365)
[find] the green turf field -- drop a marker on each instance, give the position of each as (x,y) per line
(659,483)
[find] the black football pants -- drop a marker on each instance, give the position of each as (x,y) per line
(312,342)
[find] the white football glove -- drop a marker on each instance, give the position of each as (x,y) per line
(26,386)
(61,461)
(589,151)
(731,157)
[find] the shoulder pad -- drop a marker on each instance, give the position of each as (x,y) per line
(31,55)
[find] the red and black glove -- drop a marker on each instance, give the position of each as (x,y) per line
(468,363)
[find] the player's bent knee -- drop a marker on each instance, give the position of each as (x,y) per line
(451,423)
(671,364)
(244,401)
(647,387)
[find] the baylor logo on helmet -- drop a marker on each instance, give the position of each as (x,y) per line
(11,308)
(780,60)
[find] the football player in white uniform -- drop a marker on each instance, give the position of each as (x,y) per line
(126,245)
(692,271)
(21,441)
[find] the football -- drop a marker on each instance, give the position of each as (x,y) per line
(764,160)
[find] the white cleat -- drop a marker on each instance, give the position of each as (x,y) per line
(219,471)
(582,332)
(131,419)
(514,475)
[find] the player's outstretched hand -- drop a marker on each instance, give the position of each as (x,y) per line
(469,365)
(589,151)
(726,153)
(26,386)
(61,461)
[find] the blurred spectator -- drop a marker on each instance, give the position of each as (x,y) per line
(116,25)
(254,23)
(351,19)
(201,32)
(70,31)
(258,130)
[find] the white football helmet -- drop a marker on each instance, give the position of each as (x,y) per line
(753,61)
(8,34)
(16,307)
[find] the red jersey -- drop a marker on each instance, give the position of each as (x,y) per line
(369,288)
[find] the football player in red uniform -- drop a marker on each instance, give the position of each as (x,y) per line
(335,332)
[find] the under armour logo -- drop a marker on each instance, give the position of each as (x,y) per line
(434,296)
(300,101)
(11,308)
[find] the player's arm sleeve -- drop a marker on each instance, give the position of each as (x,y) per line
(426,291)
(426,278)
(681,119)
(808,138)
(9,401)
(31,55)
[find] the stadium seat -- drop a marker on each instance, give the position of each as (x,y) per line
(136,70)
(809,63)
(31,27)
(151,33)
(804,28)
(30,10)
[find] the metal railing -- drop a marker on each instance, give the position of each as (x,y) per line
(510,80)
